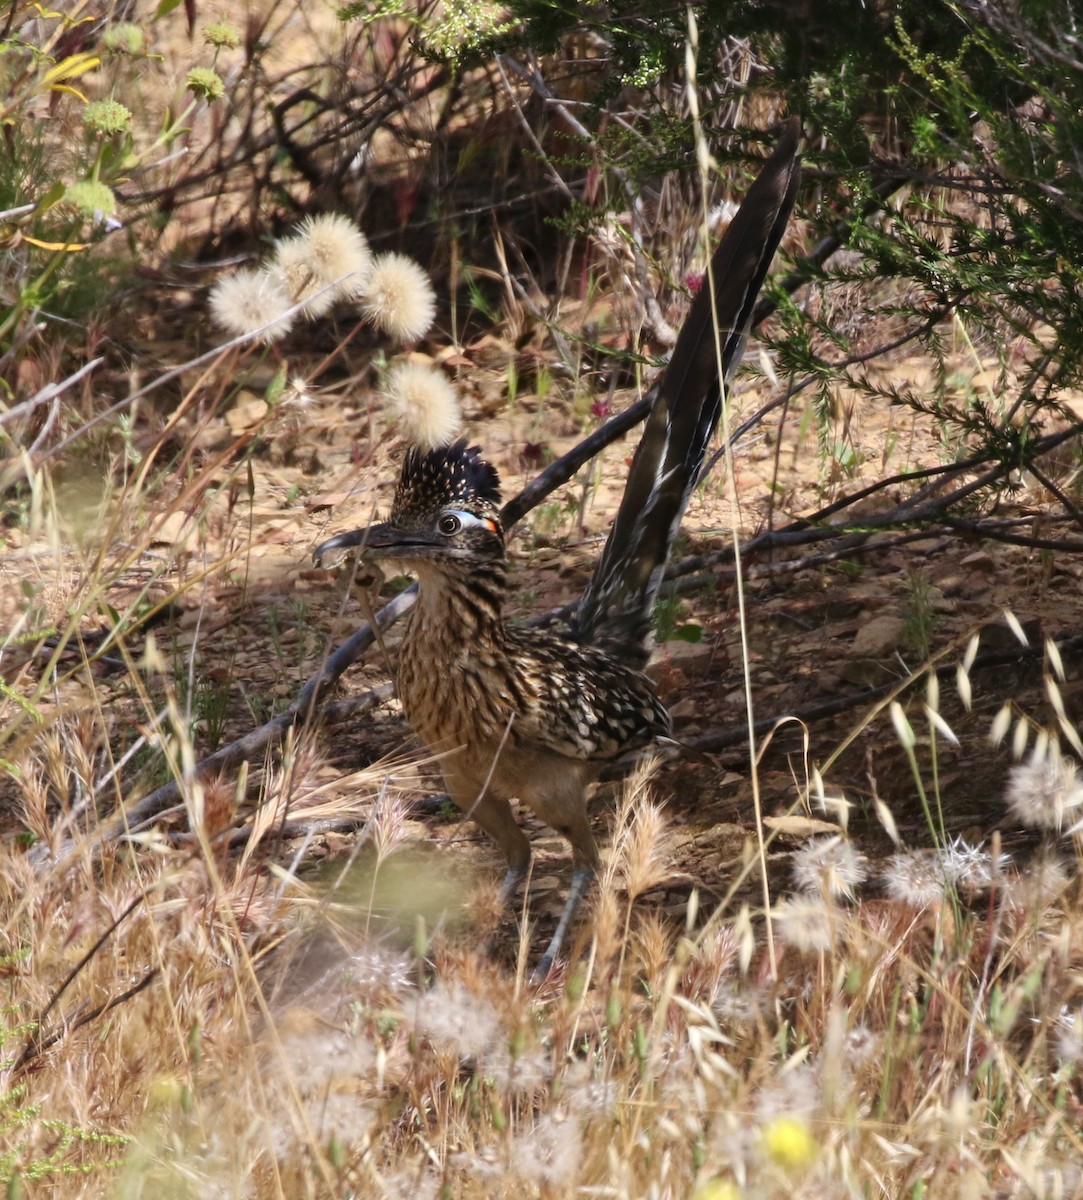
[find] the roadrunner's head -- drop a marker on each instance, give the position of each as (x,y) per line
(446,514)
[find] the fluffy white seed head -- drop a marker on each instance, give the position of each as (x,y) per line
(973,868)
(338,250)
(456,1020)
(810,924)
(829,866)
(291,271)
(327,260)
(398,297)
(1037,886)
(916,877)
(423,404)
(1045,792)
(251,300)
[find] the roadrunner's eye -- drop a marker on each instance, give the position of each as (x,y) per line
(448,524)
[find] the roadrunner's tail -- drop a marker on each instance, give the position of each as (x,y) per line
(616,610)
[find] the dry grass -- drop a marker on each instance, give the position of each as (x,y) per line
(292,1044)
(205,1008)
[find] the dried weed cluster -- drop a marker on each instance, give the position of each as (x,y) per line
(250,1033)
(326,263)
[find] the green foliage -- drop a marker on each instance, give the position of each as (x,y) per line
(918,614)
(34,1147)
(954,127)
(668,626)
(58,193)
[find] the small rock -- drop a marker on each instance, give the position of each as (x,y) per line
(175,530)
(879,638)
(693,658)
(684,708)
(247,413)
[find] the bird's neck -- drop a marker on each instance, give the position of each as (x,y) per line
(461,607)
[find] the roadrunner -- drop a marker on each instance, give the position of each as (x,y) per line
(532,715)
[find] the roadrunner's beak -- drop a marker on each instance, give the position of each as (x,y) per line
(340,549)
(385,540)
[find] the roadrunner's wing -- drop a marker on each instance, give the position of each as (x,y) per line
(617,606)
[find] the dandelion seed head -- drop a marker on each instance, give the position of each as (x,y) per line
(320,1059)
(972,868)
(809,924)
(398,297)
(374,970)
(408,1182)
(829,866)
(862,1046)
(1044,791)
(454,1018)
(588,1094)
(915,877)
(1068,1036)
(291,270)
(423,404)
(249,300)
(1037,886)
(733,1004)
(524,1074)
(297,393)
(327,260)
(795,1094)
(549,1153)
